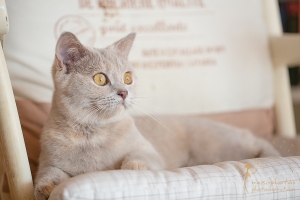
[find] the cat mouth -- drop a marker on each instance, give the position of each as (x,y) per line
(125,104)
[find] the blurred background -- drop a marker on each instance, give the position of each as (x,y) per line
(192,57)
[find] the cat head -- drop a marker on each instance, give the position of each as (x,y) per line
(92,82)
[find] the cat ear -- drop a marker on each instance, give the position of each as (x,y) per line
(124,45)
(69,51)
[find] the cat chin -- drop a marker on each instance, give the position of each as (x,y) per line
(125,106)
(116,116)
(122,108)
(119,110)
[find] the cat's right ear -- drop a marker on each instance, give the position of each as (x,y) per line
(69,51)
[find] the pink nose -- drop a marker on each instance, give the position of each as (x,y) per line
(123,94)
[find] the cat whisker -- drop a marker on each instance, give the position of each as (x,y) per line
(96,116)
(154,118)
(93,114)
(138,104)
(142,116)
(152,107)
(78,112)
(77,123)
(99,99)
(85,117)
(93,111)
(106,110)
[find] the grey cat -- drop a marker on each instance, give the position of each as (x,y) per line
(89,129)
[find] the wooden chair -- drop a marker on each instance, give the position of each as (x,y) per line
(284,50)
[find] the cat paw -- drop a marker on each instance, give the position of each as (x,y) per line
(43,191)
(135,165)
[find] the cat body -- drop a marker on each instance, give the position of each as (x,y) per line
(105,150)
(193,141)
(88,128)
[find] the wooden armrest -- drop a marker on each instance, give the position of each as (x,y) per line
(285,49)
(11,138)
(282,51)
(12,141)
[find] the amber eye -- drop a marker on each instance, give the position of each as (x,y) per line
(127,78)
(100,79)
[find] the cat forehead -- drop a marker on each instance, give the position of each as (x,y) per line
(110,60)
(104,60)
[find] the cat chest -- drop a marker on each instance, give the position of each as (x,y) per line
(82,157)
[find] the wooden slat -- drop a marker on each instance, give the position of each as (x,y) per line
(285,121)
(285,49)
(12,141)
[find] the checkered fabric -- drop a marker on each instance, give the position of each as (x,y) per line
(266,178)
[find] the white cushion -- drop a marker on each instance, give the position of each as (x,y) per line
(278,178)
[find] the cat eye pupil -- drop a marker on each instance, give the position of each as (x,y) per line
(127,78)
(100,79)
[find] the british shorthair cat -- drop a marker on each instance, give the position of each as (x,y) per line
(89,129)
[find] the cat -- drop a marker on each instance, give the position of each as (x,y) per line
(89,129)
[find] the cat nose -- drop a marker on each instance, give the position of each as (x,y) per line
(123,94)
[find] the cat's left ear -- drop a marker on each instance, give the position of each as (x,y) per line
(123,46)
(69,51)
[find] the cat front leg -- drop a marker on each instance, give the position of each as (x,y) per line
(143,160)
(47,179)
